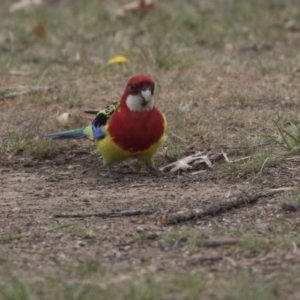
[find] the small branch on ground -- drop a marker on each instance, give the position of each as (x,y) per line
(110,214)
(290,205)
(19,73)
(233,161)
(204,259)
(27,91)
(216,243)
(235,201)
(248,147)
(238,200)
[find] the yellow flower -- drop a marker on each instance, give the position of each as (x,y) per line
(119,59)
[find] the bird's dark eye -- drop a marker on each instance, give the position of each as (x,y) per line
(133,87)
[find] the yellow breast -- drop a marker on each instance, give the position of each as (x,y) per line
(112,152)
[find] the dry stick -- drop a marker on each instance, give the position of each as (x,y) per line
(109,214)
(247,147)
(19,73)
(28,91)
(216,243)
(243,198)
(197,260)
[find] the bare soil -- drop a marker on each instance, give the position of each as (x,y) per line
(33,192)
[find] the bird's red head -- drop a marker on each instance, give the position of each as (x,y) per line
(138,94)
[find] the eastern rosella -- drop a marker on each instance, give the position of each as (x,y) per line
(130,128)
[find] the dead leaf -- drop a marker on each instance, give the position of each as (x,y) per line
(119,59)
(136,6)
(24,4)
(186,106)
(201,42)
(39,31)
(229,48)
(64,119)
(180,165)
(291,25)
(204,158)
(183,164)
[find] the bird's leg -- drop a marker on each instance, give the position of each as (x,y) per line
(153,170)
(110,174)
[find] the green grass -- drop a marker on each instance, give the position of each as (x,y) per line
(95,282)
(74,229)
(178,235)
(25,138)
(290,139)
(255,165)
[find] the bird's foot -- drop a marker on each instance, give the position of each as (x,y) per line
(110,174)
(154,171)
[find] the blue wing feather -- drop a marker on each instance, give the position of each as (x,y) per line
(98,133)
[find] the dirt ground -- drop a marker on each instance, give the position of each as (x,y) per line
(33,192)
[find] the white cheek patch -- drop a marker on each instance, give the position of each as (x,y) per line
(138,103)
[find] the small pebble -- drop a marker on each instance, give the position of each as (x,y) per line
(80,244)
(140,229)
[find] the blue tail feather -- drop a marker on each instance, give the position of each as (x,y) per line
(69,134)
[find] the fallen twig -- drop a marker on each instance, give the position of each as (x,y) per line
(109,214)
(27,91)
(293,158)
(247,147)
(283,189)
(240,199)
(57,228)
(19,73)
(204,259)
(216,243)
(234,161)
